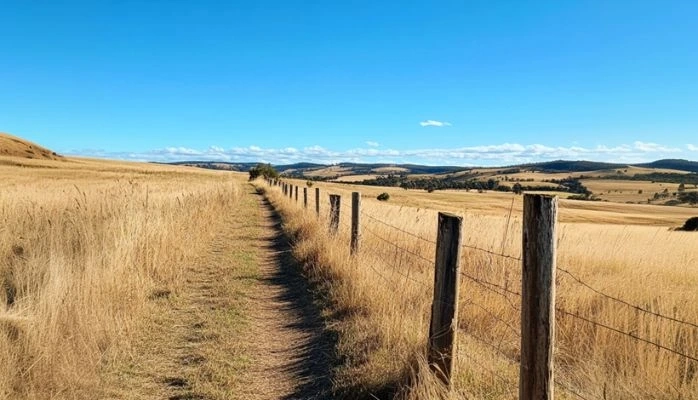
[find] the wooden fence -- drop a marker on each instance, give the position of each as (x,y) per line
(538,308)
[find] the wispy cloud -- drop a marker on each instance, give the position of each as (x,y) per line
(431,122)
(372,144)
(496,154)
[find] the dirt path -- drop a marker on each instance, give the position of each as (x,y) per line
(243,327)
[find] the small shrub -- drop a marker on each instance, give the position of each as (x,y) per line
(383,197)
(691,225)
(309,183)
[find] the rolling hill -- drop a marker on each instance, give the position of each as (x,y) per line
(12,146)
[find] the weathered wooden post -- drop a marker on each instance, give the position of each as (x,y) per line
(538,298)
(335,203)
(296,194)
(355,222)
(444,310)
(305,197)
(317,202)
(290,192)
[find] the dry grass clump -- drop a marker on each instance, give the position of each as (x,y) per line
(83,248)
(382,298)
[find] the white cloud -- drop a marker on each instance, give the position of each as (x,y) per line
(654,147)
(431,122)
(372,144)
(496,154)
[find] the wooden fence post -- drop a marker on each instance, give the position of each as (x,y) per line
(317,202)
(444,310)
(296,194)
(305,197)
(335,204)
(355,222)
(538,298)
(290,192)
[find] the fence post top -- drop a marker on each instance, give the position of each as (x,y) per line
(450,215)
(540,196)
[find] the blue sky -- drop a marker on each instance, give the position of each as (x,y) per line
(436,82)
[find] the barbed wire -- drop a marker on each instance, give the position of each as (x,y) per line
(395,268)
(628,334)
(419,256)
(396,228)
(490,252)
(491,287)
(496,317)
(493,347)
(619,300)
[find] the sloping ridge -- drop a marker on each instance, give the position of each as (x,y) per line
(13,146)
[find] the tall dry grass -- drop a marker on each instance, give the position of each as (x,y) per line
(83,247)
(382,298)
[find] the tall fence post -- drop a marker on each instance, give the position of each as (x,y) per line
(296,194)
(290,192)
(355,222)
(317,202)
(444,310)
(538,298)
(305,197)
(335,204)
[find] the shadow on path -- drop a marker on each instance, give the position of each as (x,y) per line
(312,358)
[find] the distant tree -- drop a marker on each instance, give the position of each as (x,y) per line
(383,197)
(682,187)
(309,183)
(518,189)
(264,170)
(689,197)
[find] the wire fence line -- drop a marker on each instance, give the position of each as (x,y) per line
(626,303)
(509,295)
(384,223)
(624,333)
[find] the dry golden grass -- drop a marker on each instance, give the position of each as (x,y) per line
(622,191)
(384,295)
(499,203)
(355,178)
(12,146)
(83,245)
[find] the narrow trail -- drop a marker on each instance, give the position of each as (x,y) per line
(243,326)
(292,354)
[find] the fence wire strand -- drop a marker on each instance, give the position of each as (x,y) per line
(626,303)
(628,334)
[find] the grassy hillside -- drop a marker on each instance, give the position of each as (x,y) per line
(85,246)
(15,147)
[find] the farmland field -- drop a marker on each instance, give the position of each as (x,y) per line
(88,244)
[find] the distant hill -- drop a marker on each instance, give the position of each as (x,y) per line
(344,169)
(12,146)
(558,166)
(226,166)
(678,164)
